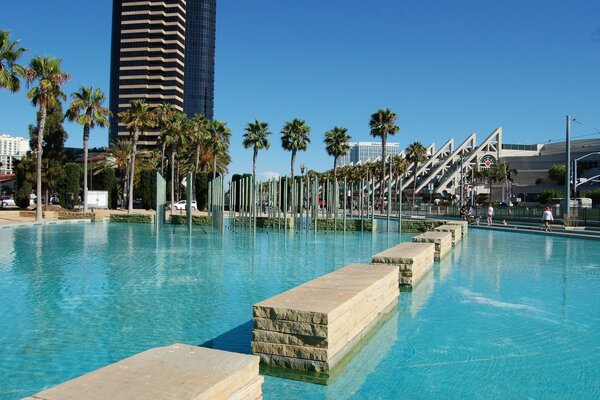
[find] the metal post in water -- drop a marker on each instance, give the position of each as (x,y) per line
(389,202)
(372,202)
(400,207)
(345,200)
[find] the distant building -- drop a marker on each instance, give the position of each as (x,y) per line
(11,149)
(367,151)
(162,52)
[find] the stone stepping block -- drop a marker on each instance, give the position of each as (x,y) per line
(176,372)
(463,224)
(414,261)
(441,240)
(455,230)
(313,326)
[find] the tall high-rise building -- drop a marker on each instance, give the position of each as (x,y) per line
(163,51)
(11,149)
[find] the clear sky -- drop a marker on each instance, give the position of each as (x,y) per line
(447,68)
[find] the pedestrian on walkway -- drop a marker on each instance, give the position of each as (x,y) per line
(547,218)
(490,214)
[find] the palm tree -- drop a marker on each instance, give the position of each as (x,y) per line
(382,124)
(256,137)
(172,135)
(504,174)
(199,130)
(217,141)
(87,109)
(49,77)
(117,156)
(10,71)
(295,137)
(415,153)
(162,114)
(337,144)
(138,117)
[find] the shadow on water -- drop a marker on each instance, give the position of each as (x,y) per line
(236,340)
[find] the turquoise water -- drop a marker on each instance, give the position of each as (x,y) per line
(504,316)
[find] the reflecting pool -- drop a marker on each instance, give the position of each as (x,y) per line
(503,316)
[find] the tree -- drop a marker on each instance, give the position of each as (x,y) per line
(10,71)
(47,73)
(117,157)
(162,114)
(503,173)
(256,137)
(199,130)
(382,124)
(217,141)
(557,173)
(87,110)
(337,144)
(71,183)
(172,135)
(54,138)
(295,138)
(415,153)
(138,118)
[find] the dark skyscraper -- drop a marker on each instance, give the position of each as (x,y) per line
(162,52)
(200,57)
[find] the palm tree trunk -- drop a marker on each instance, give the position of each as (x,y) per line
(335,181)
(162,160)
(136,135)
(86,139)
(41,126)
(197,165)
(254,162)
(292,163)
(214,167)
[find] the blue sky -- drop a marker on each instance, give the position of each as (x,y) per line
(447,68)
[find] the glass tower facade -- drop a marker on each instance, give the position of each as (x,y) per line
(162,52)
(200,57)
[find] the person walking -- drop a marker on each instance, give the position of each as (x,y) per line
(547,218)
(490,214)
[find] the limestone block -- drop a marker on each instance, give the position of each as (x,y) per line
(455,231)
(173,372)
(414,260)
(312,326)
(463,224)
(321,299)
(441,240)
(252,391)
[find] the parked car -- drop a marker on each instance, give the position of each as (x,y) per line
(180,205)
(7,202)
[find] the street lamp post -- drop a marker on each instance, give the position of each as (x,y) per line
(575,168)
(568,168)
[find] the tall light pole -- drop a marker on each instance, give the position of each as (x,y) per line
(568,169)
(575,168)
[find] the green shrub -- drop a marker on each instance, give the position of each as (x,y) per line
(71,183)
(147,189)
(594,195)
(132,218)
(546,196)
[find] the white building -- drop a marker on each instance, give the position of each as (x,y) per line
(367,151)
(11,148)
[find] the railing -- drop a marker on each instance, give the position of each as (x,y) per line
(579,216)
